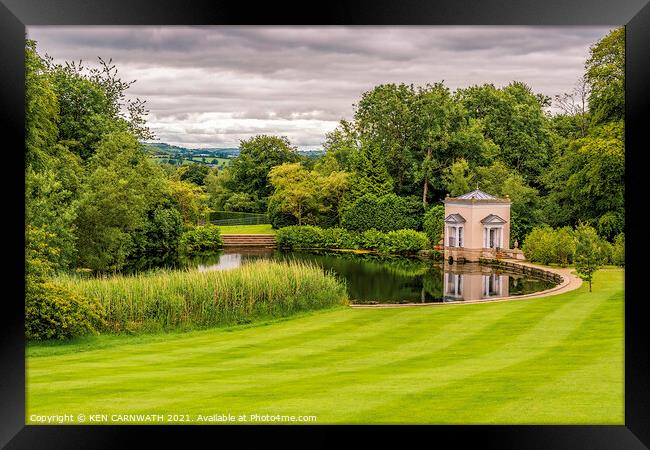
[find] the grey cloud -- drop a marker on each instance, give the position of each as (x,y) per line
(211,86)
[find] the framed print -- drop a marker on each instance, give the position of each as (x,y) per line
(375,215)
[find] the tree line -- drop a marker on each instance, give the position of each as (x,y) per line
(94,199)
(421,143)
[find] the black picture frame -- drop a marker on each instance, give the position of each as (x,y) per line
(16,14)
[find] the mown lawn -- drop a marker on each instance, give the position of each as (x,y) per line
(246,229)
(549,360)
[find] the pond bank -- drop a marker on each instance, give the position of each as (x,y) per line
(569,282)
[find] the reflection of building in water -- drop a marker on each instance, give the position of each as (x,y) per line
(453,286)
(472,282)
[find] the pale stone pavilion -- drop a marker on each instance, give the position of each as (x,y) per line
(477,225)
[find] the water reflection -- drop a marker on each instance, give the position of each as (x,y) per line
(475,282)
(374,279)
(226,261)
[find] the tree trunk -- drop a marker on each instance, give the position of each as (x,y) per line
(425,187)
(425,191)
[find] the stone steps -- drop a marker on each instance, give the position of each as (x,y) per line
(245,240)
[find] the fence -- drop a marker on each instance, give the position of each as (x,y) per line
(238,218)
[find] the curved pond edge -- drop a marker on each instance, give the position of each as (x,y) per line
(569,282)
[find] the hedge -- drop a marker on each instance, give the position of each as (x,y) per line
(386,213)
(201,239)
(307,236)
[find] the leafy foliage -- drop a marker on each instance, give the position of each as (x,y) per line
(546,245)
(160,234)
(201,239)
(194,173)
(618,250)
(385,213)
(434,223)
(405,241)
(605,74)
(122,187)
(589,255)
(54,312)
(398,241)
(303,196)
(249,172)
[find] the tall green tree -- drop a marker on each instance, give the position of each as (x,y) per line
(587,182)
(384,118)
(341,149)
(122,186)
(41,110)
(370,173)
(249,172)
(514,119)
(308,196)
(605,74)
(458,178)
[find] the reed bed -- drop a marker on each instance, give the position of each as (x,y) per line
(174,298)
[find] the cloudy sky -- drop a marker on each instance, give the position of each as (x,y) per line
(212,86)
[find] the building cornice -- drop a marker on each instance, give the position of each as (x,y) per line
(473,201)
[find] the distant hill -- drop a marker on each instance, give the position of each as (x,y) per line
(164,150)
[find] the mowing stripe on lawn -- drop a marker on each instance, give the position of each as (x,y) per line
(519,362)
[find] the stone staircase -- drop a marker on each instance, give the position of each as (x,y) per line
(248,240)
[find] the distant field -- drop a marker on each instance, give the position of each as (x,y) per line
(220,161)
(246,229)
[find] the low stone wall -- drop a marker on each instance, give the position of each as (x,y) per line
(524,269)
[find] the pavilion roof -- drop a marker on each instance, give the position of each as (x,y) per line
(477,194)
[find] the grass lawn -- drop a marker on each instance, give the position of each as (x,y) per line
(247,229)
(549,360)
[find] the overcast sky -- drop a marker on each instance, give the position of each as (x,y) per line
(212,86)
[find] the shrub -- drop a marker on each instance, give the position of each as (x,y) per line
(277,217)
(371,239)
(606,251)
(201,239)
(53,311)
(618,250)
(399,213)
(160,235)
(405,241)
(169,299)
(434,223)
(337,238)
(546,245)
(539,245)
(563,246)
(304,236)
(307,236)
(362,215)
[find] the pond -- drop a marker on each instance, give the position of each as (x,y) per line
(379,279)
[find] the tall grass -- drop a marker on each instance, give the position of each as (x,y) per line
(169,299)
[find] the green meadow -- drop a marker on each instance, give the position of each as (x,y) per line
(553,360)
(264,228)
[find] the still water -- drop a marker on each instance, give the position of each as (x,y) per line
(374,279)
